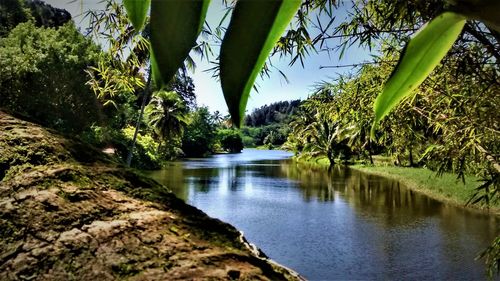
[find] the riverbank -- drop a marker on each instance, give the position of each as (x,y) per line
(445,188)
(68,211)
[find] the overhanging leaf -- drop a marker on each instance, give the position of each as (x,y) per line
(421,55)
(137,11)
(175,25)
(255,27)
(155,71)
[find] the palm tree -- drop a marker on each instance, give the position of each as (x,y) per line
(319,131)
(327,138)
(218,118)
(167,115)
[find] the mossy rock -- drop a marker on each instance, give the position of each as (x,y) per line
(68,212)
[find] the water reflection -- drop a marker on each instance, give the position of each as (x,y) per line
(341,224)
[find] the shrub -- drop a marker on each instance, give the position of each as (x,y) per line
(230,140)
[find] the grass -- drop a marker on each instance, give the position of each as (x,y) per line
(316,162)
(445,188)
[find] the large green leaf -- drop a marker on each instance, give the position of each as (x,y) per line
(175,26)
(255,27)
(420,56)
(155,71)
(137,11)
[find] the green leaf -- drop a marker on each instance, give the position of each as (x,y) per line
(137,11)
(175,26)
(155,71)
(255,27)
(420,56)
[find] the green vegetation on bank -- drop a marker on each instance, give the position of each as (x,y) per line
(445,187)
(268,127)
(60,78)
(446,126)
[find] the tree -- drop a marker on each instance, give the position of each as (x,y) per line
(167,115)
(126,68)
(230,140)
(43,76)
(183,85)
(278,112)
(319,130)
(12,12)
(46,15)
(199,135)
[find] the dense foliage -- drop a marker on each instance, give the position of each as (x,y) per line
(14,12)
(269,124)
(278,112)
(230,140)
(43,76)
(199,136)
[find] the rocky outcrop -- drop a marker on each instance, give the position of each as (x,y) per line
(68,212)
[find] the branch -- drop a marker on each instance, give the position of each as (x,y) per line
(368,32)
(492,49)
(489,157)
(356,64)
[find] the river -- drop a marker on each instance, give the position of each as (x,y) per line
(337,225)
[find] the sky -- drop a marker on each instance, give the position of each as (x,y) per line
(275,88)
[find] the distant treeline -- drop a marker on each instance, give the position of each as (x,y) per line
(13,12)
(269,124)
(273,113)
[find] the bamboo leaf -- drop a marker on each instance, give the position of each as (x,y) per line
(137,11)
(254,28)
(420,56)
(175,26)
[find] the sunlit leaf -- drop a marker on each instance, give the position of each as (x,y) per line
(421,55)
(175,25)
(252,33)
(137,11)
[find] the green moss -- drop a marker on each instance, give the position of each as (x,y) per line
(8,231)
(17,169)
(75,176)
(125,269)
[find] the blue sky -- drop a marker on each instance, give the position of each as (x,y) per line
(301,79)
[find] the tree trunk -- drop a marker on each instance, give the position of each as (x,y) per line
(159,146)
(331,158)
(370,151)
(398,160)
(139,119)
(411,157)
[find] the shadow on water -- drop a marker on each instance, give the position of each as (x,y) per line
(341,224)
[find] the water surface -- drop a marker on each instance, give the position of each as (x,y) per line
(334,225)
